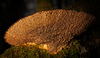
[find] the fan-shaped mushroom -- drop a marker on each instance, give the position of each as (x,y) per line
(52,29)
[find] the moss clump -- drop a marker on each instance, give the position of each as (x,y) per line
(44,5)
(34,52)
(73,51)
(25,52)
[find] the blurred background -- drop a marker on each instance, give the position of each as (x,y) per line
(12,10)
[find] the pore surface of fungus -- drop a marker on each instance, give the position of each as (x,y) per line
(51,29)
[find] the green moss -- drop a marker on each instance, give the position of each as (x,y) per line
(44,5)
(71,52)
(34,52)
(24,52)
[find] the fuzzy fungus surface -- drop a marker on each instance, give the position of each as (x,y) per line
(52,29)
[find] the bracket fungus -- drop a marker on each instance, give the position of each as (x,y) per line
(52,29)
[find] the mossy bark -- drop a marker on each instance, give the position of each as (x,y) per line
(34,52)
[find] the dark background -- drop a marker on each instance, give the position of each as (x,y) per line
(13,10)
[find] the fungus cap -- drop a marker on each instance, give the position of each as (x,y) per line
(52,29)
